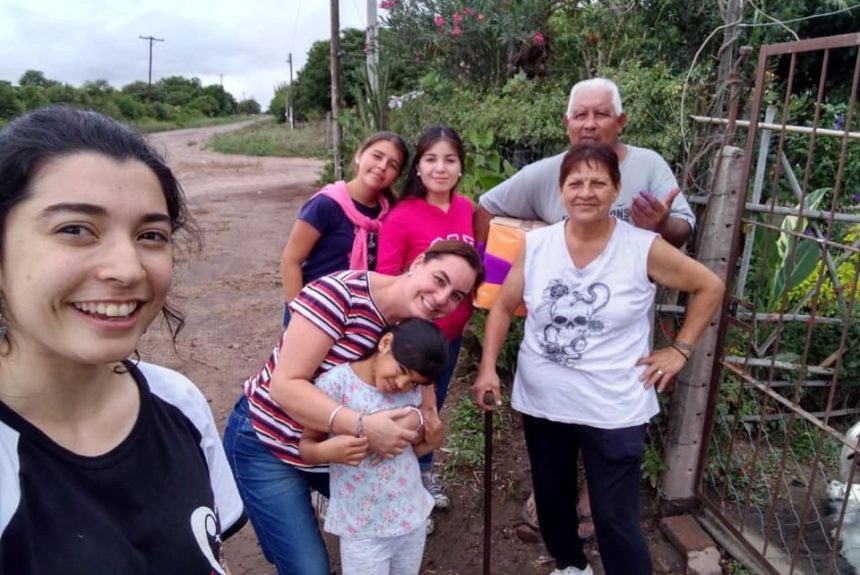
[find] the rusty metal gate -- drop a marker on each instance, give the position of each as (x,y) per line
(787,386)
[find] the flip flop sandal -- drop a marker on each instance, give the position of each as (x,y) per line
(529,513)
(585,531)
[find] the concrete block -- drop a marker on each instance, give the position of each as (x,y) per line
(705,562)
(686,534)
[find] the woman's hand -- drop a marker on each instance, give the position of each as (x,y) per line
(661,367)
(387,438)
(487,380)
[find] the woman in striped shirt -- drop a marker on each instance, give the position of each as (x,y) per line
(335,319)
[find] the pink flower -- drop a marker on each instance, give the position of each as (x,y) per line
(457,18)
(538,38)
(480,17)
(468,11)
(439,20)
(456,31)
(387,4)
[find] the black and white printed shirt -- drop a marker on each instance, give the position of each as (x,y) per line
(160,502)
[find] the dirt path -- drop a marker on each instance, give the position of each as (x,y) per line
(230,294)
(230,291)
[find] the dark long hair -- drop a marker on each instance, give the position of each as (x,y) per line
(413,188)
(32,141)
(400,144)
(418,345)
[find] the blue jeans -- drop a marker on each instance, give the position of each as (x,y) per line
(277,499)
(425,462)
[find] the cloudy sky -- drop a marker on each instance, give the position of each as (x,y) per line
(248,41)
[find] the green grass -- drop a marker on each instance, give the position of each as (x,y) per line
(271,139)
(465,442)
(150,125)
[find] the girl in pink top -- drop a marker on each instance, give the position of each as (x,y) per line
(430,210)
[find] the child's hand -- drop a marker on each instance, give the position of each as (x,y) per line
(345,449)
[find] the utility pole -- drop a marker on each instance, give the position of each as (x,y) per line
(291,96)
(372,47)
(150,39)
(222,80)
(335,86)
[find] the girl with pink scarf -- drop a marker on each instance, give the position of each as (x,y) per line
(337,228)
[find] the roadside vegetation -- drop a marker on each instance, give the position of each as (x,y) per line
(170,103)
(268,138)
(150,126)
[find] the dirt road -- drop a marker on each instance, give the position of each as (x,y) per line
(230,293)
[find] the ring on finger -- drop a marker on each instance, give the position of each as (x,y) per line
(660,372)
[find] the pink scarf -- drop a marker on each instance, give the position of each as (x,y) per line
(363,225)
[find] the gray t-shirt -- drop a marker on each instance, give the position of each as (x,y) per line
(533,192)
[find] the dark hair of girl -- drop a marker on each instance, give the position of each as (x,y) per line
(400,144)
(592,154)
(32,141)
(413,188)
(460,249)
(420,346)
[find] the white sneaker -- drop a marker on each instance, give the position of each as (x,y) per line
(434,487)
(431,525)
(573,571)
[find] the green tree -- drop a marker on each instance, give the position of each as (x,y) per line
(177,90)
(278,104)
(249,106)
(10,105)
(32,97)
(36,79)
(62,94)
(313,82)
(137,90)
(226,104)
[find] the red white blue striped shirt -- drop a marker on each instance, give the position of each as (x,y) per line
(340,305)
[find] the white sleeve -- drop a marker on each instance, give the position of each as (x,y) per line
(179,391)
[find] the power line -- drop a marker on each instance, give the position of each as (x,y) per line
(295,26)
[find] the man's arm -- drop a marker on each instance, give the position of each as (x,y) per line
(530,194)
(481,224)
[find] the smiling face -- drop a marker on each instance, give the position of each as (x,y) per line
(593,117)
(87,260)
(389,375)
(588,192)
(440,169)
(379,164)
(437,286)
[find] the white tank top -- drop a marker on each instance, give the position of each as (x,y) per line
(585,330)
